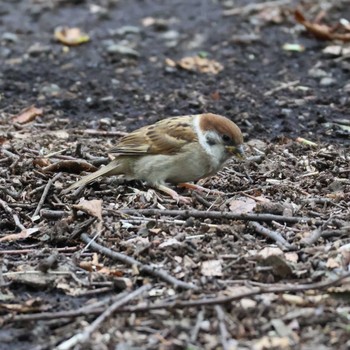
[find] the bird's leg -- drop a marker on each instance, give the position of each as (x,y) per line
(198,188)
(173,194)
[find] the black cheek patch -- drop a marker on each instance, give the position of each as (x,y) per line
(210,141)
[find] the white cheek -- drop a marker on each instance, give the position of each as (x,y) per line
(201,137)
(218,155)
(217,151)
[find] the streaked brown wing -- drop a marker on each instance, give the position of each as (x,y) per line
(167,136)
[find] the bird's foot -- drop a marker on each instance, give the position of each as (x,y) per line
(199,188)
(174,195)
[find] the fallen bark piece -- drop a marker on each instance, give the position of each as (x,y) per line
(70,166)
(27,115)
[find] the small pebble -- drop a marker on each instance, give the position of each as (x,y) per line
(317,73)
(126,30)
(37,49)
(117,49)
(5,52)
(50,90)
(10,37)
(327,81)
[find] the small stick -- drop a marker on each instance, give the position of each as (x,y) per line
(53,214)
(281,87)
(226,300)
(86,334)
(274,235)
(224,334)
(38,189)
(45,193)
(341,232)
(247,9)
(100,132)
(10,154)
(160,273)
(306,142)
(197,327)
(9,211)
(202,200)
(222,215)
(316,234)
(28,251)
(184,304)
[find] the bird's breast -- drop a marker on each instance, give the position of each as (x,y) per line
(191,164)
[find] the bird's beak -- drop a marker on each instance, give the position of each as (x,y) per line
(237,151)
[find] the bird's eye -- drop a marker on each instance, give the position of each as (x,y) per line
(226,138)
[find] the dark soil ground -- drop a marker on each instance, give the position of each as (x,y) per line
(221,273)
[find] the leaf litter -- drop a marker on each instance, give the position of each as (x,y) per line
(53,278)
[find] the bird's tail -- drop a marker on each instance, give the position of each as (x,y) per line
(109,169)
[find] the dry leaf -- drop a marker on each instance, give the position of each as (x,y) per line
(93,207)
(60,134)
(294,299)
(197,64)
(333,263)
(70,166)
(22,235)
(232,291)
(211,268)
(27,115)
(248,304)
(321,31)
(41,162)
(271,15)
(242,205)
(274,257)
(272,343)
(70,36)
(171,242)
(292,257)
(270,251)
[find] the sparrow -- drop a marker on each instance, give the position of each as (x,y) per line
(175,150)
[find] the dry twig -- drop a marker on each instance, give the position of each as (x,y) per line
(197,327)
(274,235)
(184,304)
(9,211)
(222,215)
(99,132)
(281,87)
(83,337)
(224,334)
(45,193)
(160,273)
(250,8)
